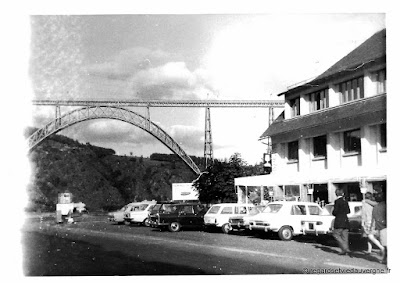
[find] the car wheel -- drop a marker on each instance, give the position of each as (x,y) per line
(285,233)
(174,227)
(226,228)
(126,222)
(146,222)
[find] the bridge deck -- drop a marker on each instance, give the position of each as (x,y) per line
(166,103)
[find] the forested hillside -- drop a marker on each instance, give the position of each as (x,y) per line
(98,177)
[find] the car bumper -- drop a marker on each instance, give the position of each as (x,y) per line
(134,220)
(261,228)
(239,226)
(157,224)
(315,232)
(210,225)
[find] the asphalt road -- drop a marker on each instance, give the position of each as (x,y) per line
(94,246)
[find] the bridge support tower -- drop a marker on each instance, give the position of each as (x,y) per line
(208,150)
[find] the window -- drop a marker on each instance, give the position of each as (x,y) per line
(382,137)
(314,210)
(214,209)
(380,79)
(240,210)
(357,209)
(293,150)
(292,191)
(227,210)
(352,141)
(169,208)
(298,210)
(352,90)
(187,209)
(295,107)
(319,100)
(319,145)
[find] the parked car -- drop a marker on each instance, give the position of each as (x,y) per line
(139,213)
(241,222)
(354,216)
(176,216)
(290,218)
(119,215)
(218,215)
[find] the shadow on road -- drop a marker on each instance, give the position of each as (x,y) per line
(48,255)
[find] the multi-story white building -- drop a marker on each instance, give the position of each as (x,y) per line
(331,134)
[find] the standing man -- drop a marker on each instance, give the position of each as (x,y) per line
(341,223)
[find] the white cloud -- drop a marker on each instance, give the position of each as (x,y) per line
(147,74)
(128,62)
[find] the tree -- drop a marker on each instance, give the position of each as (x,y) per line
(217,183)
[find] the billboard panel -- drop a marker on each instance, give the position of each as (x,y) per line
(184,191)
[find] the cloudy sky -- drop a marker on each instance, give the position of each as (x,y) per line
(184,56)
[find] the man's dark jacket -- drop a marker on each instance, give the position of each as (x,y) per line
(340,211)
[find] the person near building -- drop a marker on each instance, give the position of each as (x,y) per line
(379,223)
(366,222)
(341,222)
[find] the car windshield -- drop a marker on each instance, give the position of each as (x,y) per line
(214,209)
(272,208)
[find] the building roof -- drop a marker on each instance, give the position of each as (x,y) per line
(371,50)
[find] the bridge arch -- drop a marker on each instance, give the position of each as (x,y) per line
(109,112)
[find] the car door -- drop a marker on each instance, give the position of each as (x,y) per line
(187,216)
(297,214)
(225,214)
(199,211)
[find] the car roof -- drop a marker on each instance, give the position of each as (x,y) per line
(148,202)
(232,203)
(292,202)
(133,203)
(187,203)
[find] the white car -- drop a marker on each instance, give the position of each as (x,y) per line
(241,222)
(218,215)
(119,215)
(139,213)
(290,218)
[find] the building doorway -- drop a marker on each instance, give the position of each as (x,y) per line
(351,191)
(320,194)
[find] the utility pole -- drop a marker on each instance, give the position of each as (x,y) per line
(208,151)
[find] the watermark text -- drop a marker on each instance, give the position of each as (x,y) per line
(346,270)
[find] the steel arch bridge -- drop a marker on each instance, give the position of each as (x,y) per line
(109,112)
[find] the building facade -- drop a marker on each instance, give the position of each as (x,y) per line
(331,134)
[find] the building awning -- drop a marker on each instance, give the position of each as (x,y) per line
(322,177)
(371,110)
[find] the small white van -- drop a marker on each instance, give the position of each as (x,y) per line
(139,213)
(218,215)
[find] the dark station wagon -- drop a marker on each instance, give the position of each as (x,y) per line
(176,216)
